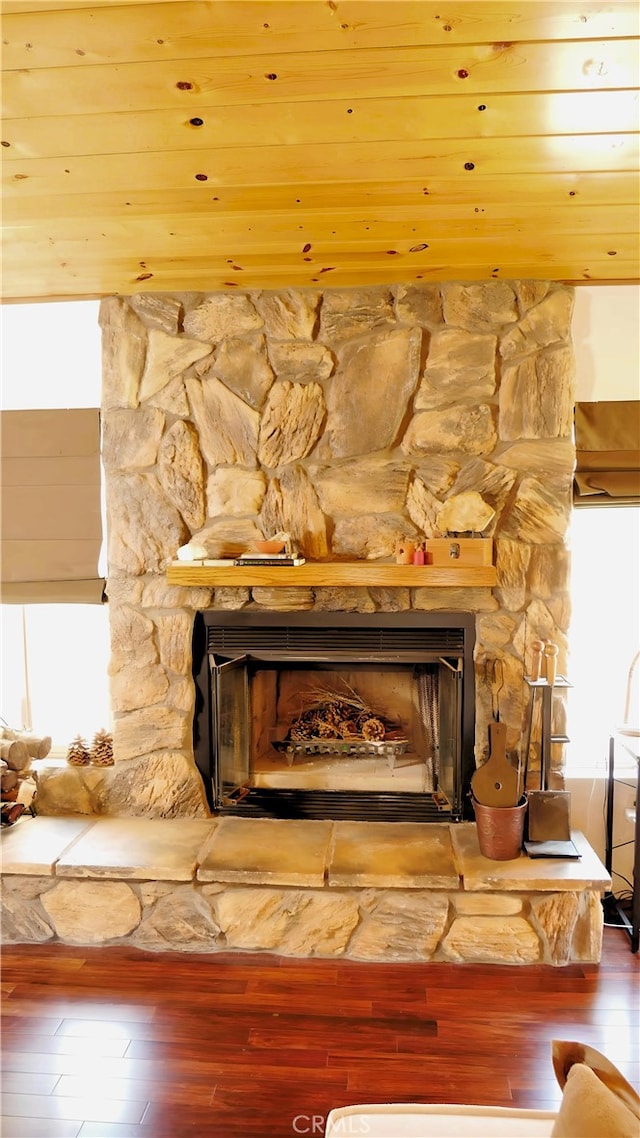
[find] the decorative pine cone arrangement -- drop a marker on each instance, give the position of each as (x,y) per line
(78,753)
(338,719)
(101,754)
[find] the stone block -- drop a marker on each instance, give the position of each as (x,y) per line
(405,855)
(268,851)
(138,849)
(92,912)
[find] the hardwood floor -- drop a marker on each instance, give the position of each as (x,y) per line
(117,1042)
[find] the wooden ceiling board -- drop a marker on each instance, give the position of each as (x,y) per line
(288,204)
(160,234)
(342,121)
(82,34)
(317,77)
(174,144)
(356,162)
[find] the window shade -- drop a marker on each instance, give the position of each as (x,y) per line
(607,454)
(51,525)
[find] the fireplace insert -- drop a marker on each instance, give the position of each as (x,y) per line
(335,715)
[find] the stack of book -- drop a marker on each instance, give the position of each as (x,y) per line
(268,559)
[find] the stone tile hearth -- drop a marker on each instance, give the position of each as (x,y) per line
(271,851)
(370,891)
(393,856)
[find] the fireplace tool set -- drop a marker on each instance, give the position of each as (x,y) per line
(500,784)
(549,818)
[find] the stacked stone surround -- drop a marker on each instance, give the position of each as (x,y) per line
(348,418)
(304,889)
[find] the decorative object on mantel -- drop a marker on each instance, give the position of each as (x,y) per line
(101,753)
(404,551)
(269,547)
(192,551)
(464,548)
(274,559)
(459,549)
(279,550)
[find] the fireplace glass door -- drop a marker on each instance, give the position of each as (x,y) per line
(336,716)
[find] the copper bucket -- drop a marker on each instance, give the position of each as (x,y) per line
(500,829)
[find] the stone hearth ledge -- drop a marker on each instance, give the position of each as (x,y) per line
(362,890)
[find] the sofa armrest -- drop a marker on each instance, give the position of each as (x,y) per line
(418,1120)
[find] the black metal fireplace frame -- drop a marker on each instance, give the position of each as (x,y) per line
(229,633)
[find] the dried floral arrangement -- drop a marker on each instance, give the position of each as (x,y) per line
(332,714)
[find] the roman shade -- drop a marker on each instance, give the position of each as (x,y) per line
(51,525)
(607,436)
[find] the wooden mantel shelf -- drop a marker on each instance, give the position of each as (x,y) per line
(334,573)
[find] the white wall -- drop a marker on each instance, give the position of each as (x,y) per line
(606,342)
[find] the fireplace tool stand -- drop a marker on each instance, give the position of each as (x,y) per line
(549,813)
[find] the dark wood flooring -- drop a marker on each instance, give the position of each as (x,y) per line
(111,1041)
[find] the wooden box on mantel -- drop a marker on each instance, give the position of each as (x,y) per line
(452,551)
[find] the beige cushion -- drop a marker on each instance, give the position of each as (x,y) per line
(590,1110)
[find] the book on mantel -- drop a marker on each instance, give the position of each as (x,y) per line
(268,559)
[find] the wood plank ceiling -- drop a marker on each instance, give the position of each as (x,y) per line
(217,144)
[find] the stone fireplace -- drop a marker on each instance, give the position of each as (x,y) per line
(350,419)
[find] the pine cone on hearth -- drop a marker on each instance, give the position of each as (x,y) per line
(102,749)
(78,753)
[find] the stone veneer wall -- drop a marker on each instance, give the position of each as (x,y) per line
(357,924)
(348,418)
